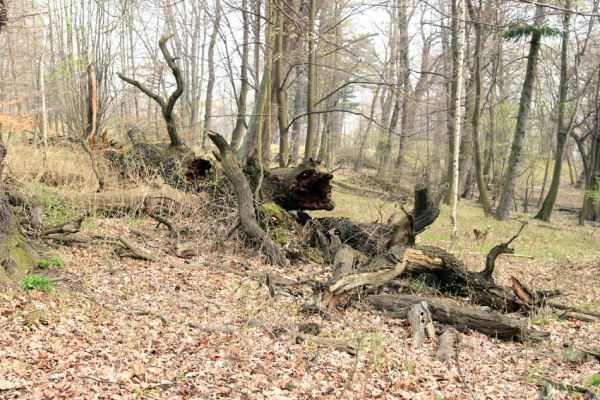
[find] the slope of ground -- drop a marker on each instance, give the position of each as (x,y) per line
(208,327)
(188,329)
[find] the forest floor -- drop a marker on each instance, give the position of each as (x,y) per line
(208,328)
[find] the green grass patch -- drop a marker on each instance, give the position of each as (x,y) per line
(51,261)
(39,282)
(594,380)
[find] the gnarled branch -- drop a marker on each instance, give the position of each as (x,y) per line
(166,105)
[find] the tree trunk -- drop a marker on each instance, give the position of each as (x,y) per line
(508,184)
(463,318)
(458,60)
(311,130)
(298,110)
(591,203)
(16,254)
(562,129)
(240,122)
(211,74)
(282,98)
(476,117)
(247,213)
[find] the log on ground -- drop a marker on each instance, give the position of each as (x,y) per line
(134,200)
(463,318)
(372,239)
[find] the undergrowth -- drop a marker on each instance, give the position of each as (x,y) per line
(39,282)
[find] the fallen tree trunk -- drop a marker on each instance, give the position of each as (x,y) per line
(463,318)
(450,273)
(176,165)
(245,200)
(372,239)
(134,200)
(305,187)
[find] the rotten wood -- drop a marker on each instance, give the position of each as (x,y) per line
(372,239)
(421,324)
(343,261)
(462,317)
(447,345)
(245,200)
(305,187)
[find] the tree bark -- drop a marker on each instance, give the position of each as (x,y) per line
(512,169)
(476,117)
(16,254)
(211,74)
(92,125)
(245,199)
(240,122)
(282,98)
(311,130)
(562,129)
(457,78)
(462,318)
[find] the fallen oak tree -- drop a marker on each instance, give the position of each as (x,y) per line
(178,166)
(245,202)
(304,187)
(372,239)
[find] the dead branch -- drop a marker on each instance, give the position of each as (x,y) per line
(502,248)
(135,252)
(247,212)
(463,318)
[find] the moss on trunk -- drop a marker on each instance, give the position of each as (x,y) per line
(17,256)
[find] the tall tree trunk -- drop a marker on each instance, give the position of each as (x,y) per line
(449,64)
(298,110)
(17,256)
(591,203)
(282,98)
(240,122)
(311,130)
(211,74)
(407,111)
(562,128)
(253,140)
(510,177)
(457,77)
(476,117)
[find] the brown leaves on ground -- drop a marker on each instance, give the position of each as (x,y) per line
(174,329)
